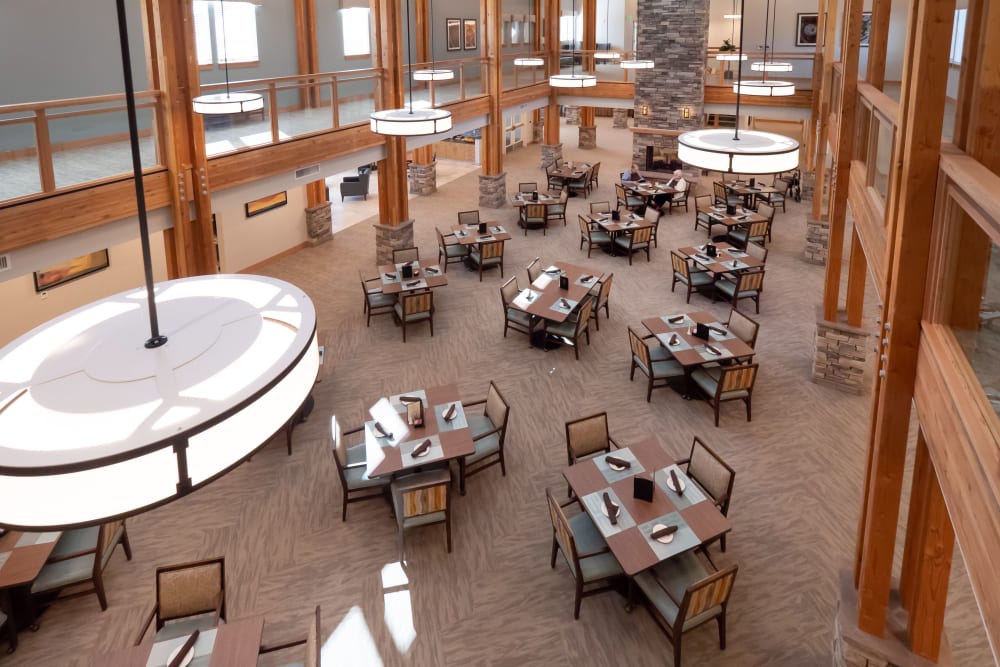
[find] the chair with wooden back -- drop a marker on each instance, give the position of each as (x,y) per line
(638,240)
(574,327)
(601,294)
(79,559)
(592,235)
(412,308)
(514,318)
(775,198)
(726,383)
(722,196)
(589,558)
(682,593)
(468,217)
(313,643)
(713,475)
(677,202)
(532,216)
(376,303)
(450,252)
(189,597)
(595,173)
(746,285)
(580,185)
(489,432)
(743,327)
(555,182)
(400,255)
(754,232)
(701,218)
(422,499)
(352,464)
(527,187)
(588,436)
(534,269)
(658,373)
(652,216)
(626,200)
(692,279)
(757,251)
(558,211)
(489,253)
(597,207)
(768,212)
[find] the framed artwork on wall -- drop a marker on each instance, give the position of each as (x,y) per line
(866,28)
(264,204)
(453,28)
(806,29)
(469,34)
(77,267)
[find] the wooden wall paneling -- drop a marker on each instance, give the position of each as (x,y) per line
(868,212)
(920,141)
(801,99)
(489,44)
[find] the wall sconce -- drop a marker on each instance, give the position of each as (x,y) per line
(643,109)
(686,112)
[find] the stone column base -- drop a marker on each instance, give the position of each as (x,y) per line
(423,179)
(619,117)
(841,355)
(572,115)
(389,238)
(319,219)
(551,154)
(807,184)
(854,648)
(588,136)
(493,190)
(817,241)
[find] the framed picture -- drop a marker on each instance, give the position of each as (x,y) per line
(866,27)
(453,28)
(469,34)
(515,32)
(807,29)
(64,272)
(258,206)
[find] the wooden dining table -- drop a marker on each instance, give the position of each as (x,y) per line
(469,234)
(750,192)
(428,274)
(544,298)
(570,171)
(698,520)
(649,189)
(524,198)
(728,258)
(235,643)
(22,556)
(717,216)
(675,331)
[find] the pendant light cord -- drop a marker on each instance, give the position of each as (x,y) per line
(225,44)
(739,73)
(572,59)
(409,54)
(767,18)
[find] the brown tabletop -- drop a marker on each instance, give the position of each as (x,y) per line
(702,521)
(723,260)
(570,171)
(649,190)
(469,234)
(236,644)
(628,222)
(434,277)
(22,556)
(450,440)
(719,216)
(689,350)
(523,199)
(748,193)
(545,292)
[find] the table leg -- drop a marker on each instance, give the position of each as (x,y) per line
(7,606)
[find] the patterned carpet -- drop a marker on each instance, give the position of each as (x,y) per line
(494,600)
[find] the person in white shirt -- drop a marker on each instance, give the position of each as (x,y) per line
(676,182)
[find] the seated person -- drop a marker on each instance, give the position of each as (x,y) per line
(631,175)
(676,182)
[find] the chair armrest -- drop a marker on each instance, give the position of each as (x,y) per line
(78,554)
(353,431)
(278,647)
(219,606)
(355,465)
(145,625)
(613,443)
(483,435)
(599,552)
(478,401)
(685,461)
(664,588)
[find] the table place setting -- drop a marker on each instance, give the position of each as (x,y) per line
(619,465)
(598,508)
(564,305)
(711,353)
(673,535)
(497,229)
(486,238)
(525,298)
(671,478)
(450,416)
(586,280)
(425,449)
(191,650)
(677,321)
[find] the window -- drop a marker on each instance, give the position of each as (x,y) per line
(958,36)
(570,28)
(357,32)
(203,34)
(238,36)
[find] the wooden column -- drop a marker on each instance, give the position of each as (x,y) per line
(820,108)
(306,49)
(492,146)
(971,55)
(878,42)
(393,204)
(588,43)
(552,15)
(424,154)
(911,210)
(857,271)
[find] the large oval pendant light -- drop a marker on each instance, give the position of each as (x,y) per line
(573,80)
(768,87)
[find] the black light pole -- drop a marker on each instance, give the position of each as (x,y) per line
(155,339)
(739,71)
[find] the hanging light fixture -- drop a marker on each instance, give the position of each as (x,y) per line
(608,54)
(98,424)
(529,61)
(726,56)
(637,64)
(573,80)
(747,152)
(432,74)
(227,102)
(410,121)
(764,87)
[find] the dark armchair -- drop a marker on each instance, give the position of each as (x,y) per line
(356,186)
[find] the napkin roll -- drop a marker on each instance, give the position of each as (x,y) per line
(421,448)
(676,482)
(663,532)
(621,463)
(611,508)
(450,413)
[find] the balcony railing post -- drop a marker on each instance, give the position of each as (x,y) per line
(272,101)
(46,174)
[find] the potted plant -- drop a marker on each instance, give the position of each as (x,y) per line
(727,46)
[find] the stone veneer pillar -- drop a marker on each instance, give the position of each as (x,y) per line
(588,136)
(841,355)
(551,154)
(493,190)
(319,219)
(619,117)
(423,178)
(817,241)
(572,115)
(389,238)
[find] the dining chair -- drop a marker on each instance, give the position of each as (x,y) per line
(692,279)
(726,383)
(80,557)
(532,216)
(422,499)
(376,303)
(313,643)
(527,187)
(412,308)
(745,285)
(554,181)
(743,327)
(768,212)
(655,371)
(600,207)
(581,184)
(588,436)
(756,251)
(487,254)
(351,462)
(189,596)
(450,252)
(601,298)
(754,232)
(638,240)
(712,475)
(775,198)
(595,173)
(652,216)
(468,217)
(683,593)
(411,254)
(592,235)
(701,218)
(558,211)
(514,318)
(573,328)
(722,196)
(489,432)
(626,200)
(586,553)
(675,202)
(534,269)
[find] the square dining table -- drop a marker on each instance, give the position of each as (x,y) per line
(524,198)
(718,216)
(675,331)
(750,192)
(649,189)
(22,556)
(427,274)
(728,258)
(545,299)
(469,234)
(698,520)
(449,438)
(235,643)
(628,221)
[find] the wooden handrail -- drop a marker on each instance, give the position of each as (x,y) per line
(303,79)
(76,101)
(888,107)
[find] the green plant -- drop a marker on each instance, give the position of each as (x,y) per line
(727,46)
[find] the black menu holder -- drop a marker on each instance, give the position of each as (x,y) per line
(753,182)
(701,331)
(482,227)
(407,270)
(415,413)
(642,488)
(563,282)
(730,209)
(711,250)
(534,195)
(615,215)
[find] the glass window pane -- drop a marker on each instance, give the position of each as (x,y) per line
(202,33)
(976,312)
(236,37)
(355,24)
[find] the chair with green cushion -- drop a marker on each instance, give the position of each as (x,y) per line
(692,279)
(352,469)
(189,597)
(589,558)
(746,285)
(652,216)
(422,499)
(313,644)
(775,198)
(376,302)
(11,632)
(592,235)
(580,185)
(489,432)
(755,232)
(79,558)
(450,252)
(558,211)
(554,181)
(514,318)
(627,200)
(702,218)
(744,328)
(601,293)
(713,475)
(726,383)
(658,372)
(595,174)
(484,255)
(573,328)
(723,197)
(634,242)
(683,593)
(676,201)
(532,216)
(415,308)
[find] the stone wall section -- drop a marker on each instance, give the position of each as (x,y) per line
(389,238)
(817,246)
(423,178)
(588,136)
(572,115)
(619,117)
(551,154)
(493,190)
(319,223)
(841,359)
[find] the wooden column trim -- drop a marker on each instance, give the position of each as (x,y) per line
(822,83)
(492,133)
(306,48)
(857,272)
(878,43)
(971,55)
(552,16)
(316,193)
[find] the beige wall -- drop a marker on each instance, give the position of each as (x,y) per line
(244,241)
